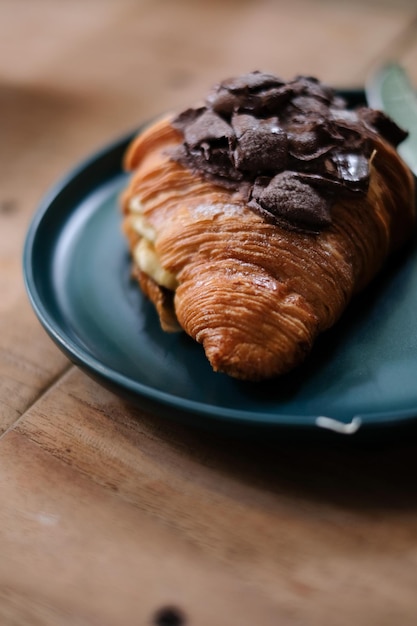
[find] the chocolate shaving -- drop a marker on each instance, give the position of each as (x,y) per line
(310,212)
(288,147)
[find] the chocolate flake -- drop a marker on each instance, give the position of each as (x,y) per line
(287,198)
(207,127)
(261,144)
(287,147)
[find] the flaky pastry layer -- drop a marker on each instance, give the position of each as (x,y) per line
(254,294)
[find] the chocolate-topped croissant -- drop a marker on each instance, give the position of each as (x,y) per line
(255,217)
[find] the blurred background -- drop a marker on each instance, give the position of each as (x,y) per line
(115,62)
(75,75)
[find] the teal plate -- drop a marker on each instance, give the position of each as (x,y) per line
(362,374)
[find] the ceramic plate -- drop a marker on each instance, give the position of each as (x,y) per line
(361,374)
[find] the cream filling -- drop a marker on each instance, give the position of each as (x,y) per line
(144,253)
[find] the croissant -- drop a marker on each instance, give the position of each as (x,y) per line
(253,219)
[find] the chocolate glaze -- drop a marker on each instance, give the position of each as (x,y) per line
(290,148)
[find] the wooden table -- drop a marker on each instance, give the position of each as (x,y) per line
(110,516)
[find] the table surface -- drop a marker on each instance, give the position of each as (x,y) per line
(111,516)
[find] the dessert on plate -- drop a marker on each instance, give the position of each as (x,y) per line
(256,215)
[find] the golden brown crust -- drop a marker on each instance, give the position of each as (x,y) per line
(162,298)
(256,295)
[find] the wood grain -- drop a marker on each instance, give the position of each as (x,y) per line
(295,527)
(28,362)
(111,516)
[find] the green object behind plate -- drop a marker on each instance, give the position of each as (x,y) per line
(390,90)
